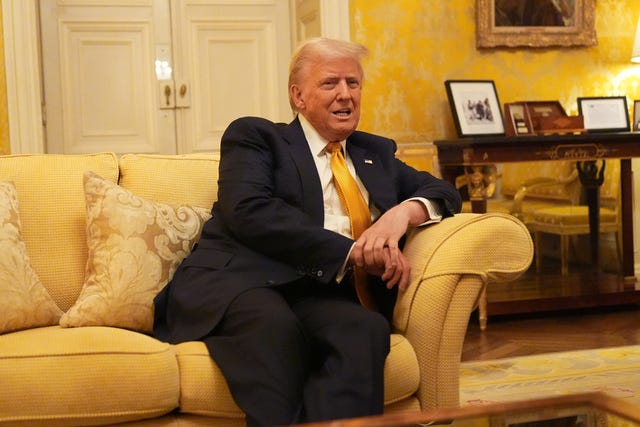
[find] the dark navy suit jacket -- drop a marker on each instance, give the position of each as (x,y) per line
(267,225)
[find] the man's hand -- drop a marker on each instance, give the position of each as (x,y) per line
(377,249)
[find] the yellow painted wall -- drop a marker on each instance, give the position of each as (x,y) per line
(416,45)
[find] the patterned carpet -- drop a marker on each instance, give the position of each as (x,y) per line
(615,371)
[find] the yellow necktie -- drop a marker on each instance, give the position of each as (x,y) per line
(357,210)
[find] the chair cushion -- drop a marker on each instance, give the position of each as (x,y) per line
(529,206)
(52,213)
(564,216)
(85,376)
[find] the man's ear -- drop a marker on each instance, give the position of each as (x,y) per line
(296,96)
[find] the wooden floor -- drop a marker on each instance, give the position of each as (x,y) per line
(525,334)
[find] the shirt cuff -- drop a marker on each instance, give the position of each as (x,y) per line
(432,208)
(344,270)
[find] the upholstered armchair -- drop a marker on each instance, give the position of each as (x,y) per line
(570,220)
(525,187)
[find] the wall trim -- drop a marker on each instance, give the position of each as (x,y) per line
(22,58)
(334,19)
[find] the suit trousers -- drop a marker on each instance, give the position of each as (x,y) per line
(302,352)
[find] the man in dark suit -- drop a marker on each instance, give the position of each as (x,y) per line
(268,286)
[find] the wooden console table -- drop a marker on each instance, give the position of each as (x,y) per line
(585,147)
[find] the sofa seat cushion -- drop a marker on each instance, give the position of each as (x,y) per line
(204,390)
(401,371)
(85,376)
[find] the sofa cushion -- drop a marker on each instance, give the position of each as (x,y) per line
(135,245)
(186,178)
(52,213)
(205,391)
(85,376)
(401,371)
(24,302)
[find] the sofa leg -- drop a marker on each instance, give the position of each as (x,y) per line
(482,309)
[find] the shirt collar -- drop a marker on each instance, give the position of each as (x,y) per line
(316,142)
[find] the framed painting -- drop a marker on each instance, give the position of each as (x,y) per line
(535,23)
(475,107)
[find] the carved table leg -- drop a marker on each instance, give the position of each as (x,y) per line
(592,177)
(481,182)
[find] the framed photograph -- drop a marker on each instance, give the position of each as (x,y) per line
(517,119)
(636,116)
(535,23)
(475,107)
(604,113)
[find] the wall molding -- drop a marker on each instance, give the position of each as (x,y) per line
(334,19)
(22,58)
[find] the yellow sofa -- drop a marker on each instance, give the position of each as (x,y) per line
(103,242)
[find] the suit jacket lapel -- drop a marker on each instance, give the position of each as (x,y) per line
(375,178)
(303,158)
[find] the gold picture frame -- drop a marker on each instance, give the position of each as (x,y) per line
(508,23)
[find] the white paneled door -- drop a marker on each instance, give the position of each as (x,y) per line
(160,76)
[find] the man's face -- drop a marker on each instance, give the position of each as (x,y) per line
(329,97)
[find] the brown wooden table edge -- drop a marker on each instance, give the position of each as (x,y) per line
(598,401)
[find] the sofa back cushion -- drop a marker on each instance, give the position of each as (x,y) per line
(52,211)
(187,179)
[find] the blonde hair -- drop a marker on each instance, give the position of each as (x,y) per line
(320,49)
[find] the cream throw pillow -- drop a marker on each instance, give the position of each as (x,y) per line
(135,246)
(24,301)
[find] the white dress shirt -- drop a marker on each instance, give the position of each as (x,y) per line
(335,217)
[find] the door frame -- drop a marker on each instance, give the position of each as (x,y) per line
(20,23)
(22,58)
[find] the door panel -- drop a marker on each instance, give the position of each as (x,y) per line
(160,76)
(235,54)
(99,80)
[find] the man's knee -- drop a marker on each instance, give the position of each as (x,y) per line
(378,330)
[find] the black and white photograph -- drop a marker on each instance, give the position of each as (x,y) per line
(475,107)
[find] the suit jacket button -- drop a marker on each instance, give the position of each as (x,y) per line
(320,273)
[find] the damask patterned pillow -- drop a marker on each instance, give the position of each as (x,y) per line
(135,246)
(24,301)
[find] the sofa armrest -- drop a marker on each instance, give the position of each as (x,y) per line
(451,263)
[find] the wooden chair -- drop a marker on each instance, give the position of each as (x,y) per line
(572,220)
(520,189)
(525,187)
